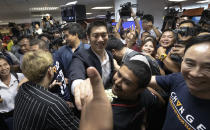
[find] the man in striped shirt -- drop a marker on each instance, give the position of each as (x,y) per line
(35,107)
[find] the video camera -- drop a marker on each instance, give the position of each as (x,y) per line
(186,31)
(125,11)
(205,17)
(44,18)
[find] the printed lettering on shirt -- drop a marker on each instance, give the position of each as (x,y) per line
(60,76)
(186,118)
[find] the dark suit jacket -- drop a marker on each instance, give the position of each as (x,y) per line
(85,58)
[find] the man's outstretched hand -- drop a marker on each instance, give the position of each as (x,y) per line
(97,111)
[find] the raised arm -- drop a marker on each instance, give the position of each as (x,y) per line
(116,33)
(137,28)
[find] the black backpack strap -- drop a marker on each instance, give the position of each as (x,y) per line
(16,76)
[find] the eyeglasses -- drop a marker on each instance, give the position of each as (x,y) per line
(97,35)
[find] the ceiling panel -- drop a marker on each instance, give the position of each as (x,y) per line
(19,9)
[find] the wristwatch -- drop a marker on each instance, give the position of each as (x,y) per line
(162,57)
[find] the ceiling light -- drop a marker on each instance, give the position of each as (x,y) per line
(38,15)
(43,8)
(72,3)
(105,7)
(177,0)
(203,1)
(89,13)
(4,23)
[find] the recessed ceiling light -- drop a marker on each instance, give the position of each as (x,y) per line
(43,8)
(89,13)
(105,7)
(203,1)
(177,0)
(38,15)
(72,3)
(4,23)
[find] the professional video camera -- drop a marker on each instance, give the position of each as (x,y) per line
(186,31)
(205,17)
(125,11)
(45,19)
(170,18)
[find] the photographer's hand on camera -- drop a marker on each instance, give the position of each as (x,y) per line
(168,62)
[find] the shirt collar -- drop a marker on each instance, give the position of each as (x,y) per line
(99,57)
(12,80)
(31,84)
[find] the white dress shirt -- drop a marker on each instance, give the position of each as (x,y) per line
(8,93)
(106,70)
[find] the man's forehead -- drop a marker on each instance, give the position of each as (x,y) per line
(2,61)
(168,33)
(198,52)
(202,47)
(24,40)
(98,29)
(186,25)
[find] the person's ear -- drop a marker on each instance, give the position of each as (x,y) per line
(113,51)
(88,37)
(50,71)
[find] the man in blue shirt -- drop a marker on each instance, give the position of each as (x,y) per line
(73,34)
(189,91)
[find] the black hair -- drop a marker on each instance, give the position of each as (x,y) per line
(42,44)
(74,28)
(49,37)
(114,43)
(141,70)
(187,21)
(24,37)
(148,17)
(96,24)
(197,40)
(145,32)
(5,58)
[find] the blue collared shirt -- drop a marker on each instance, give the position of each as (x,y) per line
(64,56)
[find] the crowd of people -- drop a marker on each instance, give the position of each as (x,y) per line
(60,76)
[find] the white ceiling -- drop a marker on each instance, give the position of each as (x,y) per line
(14,10)
(19,9)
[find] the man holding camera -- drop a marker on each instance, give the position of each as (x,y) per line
(131,34)
(148,25)
(174,58)
(47,22)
